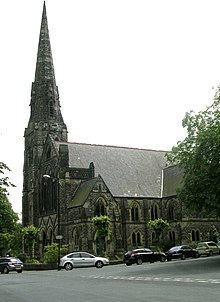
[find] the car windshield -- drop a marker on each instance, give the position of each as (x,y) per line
(201,245)
(14,260)
(175,248)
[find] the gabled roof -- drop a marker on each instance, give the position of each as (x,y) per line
(126,171)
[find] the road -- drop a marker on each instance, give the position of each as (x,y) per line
(176,281)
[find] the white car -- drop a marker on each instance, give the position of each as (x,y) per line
(82,259)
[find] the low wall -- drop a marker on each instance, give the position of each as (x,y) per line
(53,266)
(39,266)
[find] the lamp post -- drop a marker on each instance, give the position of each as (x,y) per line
(59,237)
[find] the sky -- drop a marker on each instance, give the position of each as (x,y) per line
(127,71)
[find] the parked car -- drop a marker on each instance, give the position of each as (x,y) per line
(218,243)
(208,248)
(139,256)
(82,259)
(181,252)
(9,264)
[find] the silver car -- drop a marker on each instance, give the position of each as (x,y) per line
(82,259)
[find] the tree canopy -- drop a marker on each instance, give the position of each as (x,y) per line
(158,226)
(102,224)
(199,157)
(8,218)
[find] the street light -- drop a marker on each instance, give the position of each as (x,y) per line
(59,237)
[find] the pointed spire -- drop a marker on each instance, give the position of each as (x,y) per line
(45,104)
(44,66)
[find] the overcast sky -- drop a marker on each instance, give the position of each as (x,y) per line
(127,71)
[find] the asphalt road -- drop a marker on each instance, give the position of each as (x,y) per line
(176,281)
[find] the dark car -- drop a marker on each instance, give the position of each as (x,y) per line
(139,256)
(181,252)
(9,264)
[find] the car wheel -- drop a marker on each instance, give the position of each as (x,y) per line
(162,259)
(139,261)
(211,253)
(183,257)
(5,270)
(99,264)
(20,271)
(68,266)
(128,264)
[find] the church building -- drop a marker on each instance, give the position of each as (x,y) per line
(66,184)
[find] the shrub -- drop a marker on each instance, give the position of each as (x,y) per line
(51,252)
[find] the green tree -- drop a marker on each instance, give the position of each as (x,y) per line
(213,234)
(4,180)
(199,158)
(103,231)
(51,252)
(8,218)
(158,226)
(30,237)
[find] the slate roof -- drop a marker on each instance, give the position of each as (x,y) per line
(126,171)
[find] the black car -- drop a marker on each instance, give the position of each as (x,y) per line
(139,256)
(181,252)
(8,264)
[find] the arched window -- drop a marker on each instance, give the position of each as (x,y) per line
(154,212)
(44,239)
(172,236)
(75,238)
(49,237)
(170,212)
(133,238)
(195,235)
(135,213)
(100,208)
(136,238)
(49,194)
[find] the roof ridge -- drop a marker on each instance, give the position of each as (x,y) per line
(110,146)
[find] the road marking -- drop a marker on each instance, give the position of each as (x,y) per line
(156,279)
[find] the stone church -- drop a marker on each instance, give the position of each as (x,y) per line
(66,184)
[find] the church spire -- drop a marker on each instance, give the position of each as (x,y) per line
(44,66)
(45,104)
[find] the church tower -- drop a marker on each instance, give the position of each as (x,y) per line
(45,119)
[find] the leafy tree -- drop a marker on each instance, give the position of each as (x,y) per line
(4,180)
(158,226)
(199,158)
(8,218)
(103,230)
(51,252)
(213,234)
(30,236)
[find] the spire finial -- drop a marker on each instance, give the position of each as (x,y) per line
(44,67)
